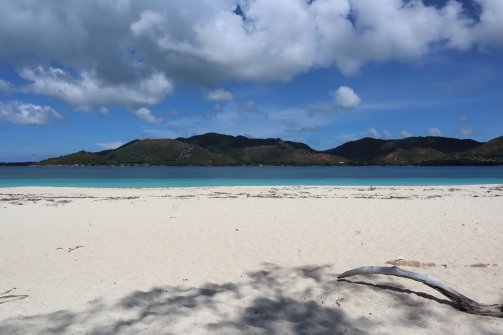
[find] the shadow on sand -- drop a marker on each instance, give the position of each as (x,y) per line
(273,300)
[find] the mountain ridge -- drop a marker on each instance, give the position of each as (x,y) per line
(213,149)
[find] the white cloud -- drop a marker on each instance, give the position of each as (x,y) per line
(219,95)
(293,124)
(146,115)
(134,51)
(149,22)
(346,98)
(373,133)
(487,32)
(204,41)
(406,133)
(88,91)
(5,86)
(22,113)
(110,145)
(468,132)
(434,132)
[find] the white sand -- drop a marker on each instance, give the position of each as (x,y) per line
(252,260)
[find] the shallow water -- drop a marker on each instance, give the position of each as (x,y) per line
(127,177)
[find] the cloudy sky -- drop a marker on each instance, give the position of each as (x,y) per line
(94,74)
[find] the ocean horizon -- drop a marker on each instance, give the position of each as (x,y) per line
(158,177)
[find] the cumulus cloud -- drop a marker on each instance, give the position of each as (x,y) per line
(87,90)
(346,98)
(406,133)
(219,95)
(434,132)
(110,145)
(206,41)
(147,116)
(21,113)
(372,132)
(488,32)
(134,51)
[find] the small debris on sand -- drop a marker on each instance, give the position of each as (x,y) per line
(479,265)
(75,248)
(414,264)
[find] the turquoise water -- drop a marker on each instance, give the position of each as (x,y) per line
(134,177)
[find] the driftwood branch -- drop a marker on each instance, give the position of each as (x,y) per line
(460,301)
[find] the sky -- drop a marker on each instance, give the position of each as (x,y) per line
(95,74)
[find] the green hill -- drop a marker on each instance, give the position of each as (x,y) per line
(214,149)
(489,153)
(270,151)
(429,150)
(205,150)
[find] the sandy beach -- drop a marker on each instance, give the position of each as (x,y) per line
(246,260)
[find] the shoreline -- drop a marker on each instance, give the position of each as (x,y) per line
(29,189)
(205,259)
(320,186)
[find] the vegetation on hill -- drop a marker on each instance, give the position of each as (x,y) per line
(214,149)
(431,150)
(489,153)
(209,149)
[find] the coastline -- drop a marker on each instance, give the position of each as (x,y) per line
(100,256)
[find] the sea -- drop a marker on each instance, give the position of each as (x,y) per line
(159,177)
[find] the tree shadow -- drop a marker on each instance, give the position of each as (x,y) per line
(401,290)
(272,300)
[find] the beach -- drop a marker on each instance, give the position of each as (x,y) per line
(247,260)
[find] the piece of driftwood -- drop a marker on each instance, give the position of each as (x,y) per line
(460,301)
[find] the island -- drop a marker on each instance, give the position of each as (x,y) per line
(213,149)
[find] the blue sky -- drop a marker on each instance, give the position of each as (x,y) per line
(321,72)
